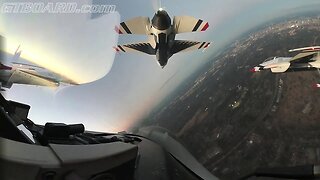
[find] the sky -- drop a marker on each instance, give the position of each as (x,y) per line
(118,89)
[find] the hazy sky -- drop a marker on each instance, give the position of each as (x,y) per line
(81,48)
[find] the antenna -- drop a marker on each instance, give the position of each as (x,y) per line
(17,54)
(17,49)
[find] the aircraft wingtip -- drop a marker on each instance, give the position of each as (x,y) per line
(117,29)
(205,27)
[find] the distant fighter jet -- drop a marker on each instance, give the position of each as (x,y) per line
(21,73)
(161,35)
(307,59)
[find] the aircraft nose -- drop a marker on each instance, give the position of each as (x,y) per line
(316,85)
(255,69)
(252,70)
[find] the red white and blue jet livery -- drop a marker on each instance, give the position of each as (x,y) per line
(161,35)
(22,73)
(307,59)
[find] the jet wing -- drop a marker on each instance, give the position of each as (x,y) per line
(25,66)
(32,78)
(303,57)
(138,25)
(280,67)
(42,73)
(138,47)
(182,46)
(306,49)
(183,24)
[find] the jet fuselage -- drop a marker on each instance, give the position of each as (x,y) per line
(164,36)
(312,65)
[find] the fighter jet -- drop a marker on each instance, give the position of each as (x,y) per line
(161,34)
(22,73)
(307,59)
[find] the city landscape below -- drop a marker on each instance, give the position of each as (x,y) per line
(234,121)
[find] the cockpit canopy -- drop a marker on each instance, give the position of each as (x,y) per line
(270,58)
(161,20)
(273,60)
